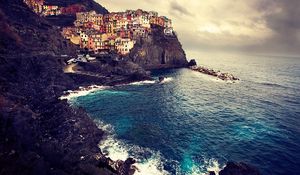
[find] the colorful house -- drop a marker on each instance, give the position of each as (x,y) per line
(35,5)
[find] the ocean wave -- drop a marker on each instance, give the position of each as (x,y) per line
(143,82)
(166,80)
(272,85)
(189,166)
(81,91)
(148,162)
(146,82)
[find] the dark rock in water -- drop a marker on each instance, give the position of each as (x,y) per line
(241,168)
(123,167)
(127,167)
(192,63)
(160,79)
(211,173)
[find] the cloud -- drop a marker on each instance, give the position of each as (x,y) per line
(176,7)
(282,18)
(257,26)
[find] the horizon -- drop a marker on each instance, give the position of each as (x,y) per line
(268,27)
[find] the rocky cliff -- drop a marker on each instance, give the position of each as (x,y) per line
(158,51)
(40,134)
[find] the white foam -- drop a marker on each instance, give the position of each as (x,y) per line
(213,165)
(204,168)
(167,80)
(118,150)
(143,82)
(152,166)
(82,91)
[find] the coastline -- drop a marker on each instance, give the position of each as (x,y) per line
(42,134)
(116,150)
(112,149)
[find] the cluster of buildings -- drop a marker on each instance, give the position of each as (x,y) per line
(116,31)
(42,8)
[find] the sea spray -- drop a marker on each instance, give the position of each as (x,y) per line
(166,80)
(81,91)
(143,82)
(148,161)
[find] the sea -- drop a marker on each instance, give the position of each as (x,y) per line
(192,123)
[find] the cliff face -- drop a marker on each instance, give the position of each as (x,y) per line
(158,51)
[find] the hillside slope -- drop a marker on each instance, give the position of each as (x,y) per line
(41,134)
(67,20)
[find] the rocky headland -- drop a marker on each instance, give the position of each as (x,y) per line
(41,134)
(159,51)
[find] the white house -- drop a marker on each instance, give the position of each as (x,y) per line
(168,31)
(124,45)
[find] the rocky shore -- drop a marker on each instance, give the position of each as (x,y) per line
(41,134)
(222,76)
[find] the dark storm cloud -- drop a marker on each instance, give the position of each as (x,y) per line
(283,18)
(175,6)
(287,18)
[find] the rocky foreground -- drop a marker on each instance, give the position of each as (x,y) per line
(40,134)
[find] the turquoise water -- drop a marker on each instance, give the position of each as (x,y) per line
(193,123)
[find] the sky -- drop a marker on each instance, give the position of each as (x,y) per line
(270,27)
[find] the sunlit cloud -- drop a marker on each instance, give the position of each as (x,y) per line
(264,26)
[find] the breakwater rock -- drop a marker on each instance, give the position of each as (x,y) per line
(223,76)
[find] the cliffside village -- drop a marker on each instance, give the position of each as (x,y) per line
(113,32)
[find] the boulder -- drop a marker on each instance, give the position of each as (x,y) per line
(192,63)
(233,168)
(160,79)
